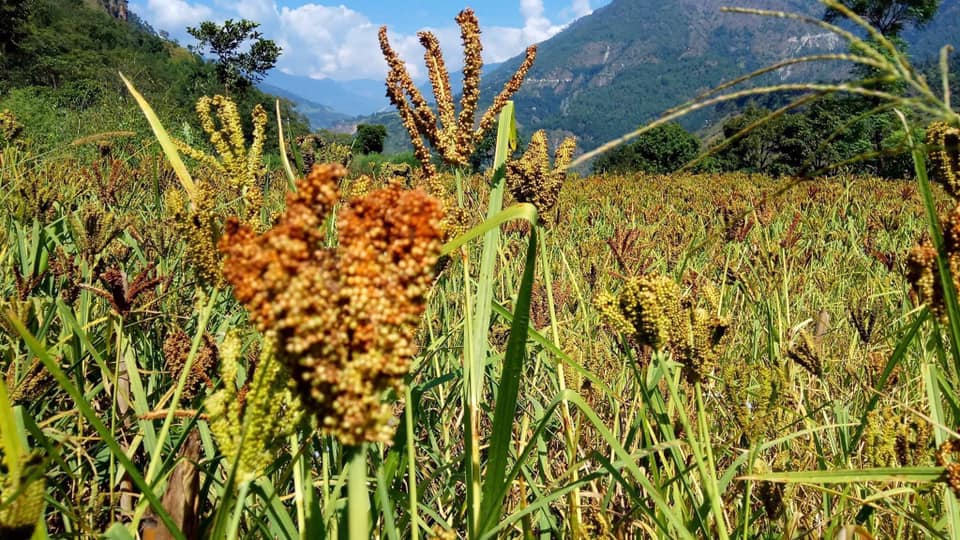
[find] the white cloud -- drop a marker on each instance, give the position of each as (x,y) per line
(581,8)
(335,41)
(254,10)
(536,26)
(172,15)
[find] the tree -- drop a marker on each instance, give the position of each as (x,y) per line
(756,151)
(370,138)
(13,15)
(236,69)
(661,150)
(483,152)
(890,17)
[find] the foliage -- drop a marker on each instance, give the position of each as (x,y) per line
(375,164)
(13,16)
(237,69)
(62,83)
(662,150)
(889,17)
(369,138)
(482,156)
(533,386)
(830,130)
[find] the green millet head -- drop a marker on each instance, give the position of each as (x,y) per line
(943,142)
(196,225)
(609,307)
(533,180)
(23,499)
(707,338)
(250,423)
(646,309)
(880,438)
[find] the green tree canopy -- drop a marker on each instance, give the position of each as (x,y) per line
(237,69)
(13,15)
(661,150)
(370,138)
(890,17)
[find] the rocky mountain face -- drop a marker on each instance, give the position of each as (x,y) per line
(118,9)
(631,60)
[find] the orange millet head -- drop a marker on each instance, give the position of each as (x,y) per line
(345,316)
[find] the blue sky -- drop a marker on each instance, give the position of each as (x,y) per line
(338,40)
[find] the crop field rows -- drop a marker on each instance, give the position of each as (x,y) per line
(201,341)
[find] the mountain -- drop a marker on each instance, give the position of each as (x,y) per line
(351,98)
(927,41)
(630,61)
(319,116)
(118,9)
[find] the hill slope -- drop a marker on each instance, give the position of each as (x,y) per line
(60,75)
(633,59)
(319,116)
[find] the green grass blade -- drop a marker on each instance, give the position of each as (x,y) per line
(358,504)
(924,475)
(386,506)
(164,139)
(933,390)
(505,409)
(895,359)
(936,235)
(547,344)
(540,504)
(655,495)
(525,211)
(13,449)
(118,532)
(287,170)
(477,320)
(87,411)
(275,508)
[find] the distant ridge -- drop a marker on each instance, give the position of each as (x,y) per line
(351,98)
(319,116)
(630,61)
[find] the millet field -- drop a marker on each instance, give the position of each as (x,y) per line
(200,339)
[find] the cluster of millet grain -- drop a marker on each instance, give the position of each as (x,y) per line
(531,178)
(653,311)
(943,141)
(921,270)
(343,317)
(453,135)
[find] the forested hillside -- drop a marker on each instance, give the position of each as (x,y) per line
(59,72)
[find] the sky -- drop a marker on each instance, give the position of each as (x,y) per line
(339,41)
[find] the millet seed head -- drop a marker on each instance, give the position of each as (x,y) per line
(532,179)
(952,468)
(943,142)
(344,317)
(921,267)
(454,136)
